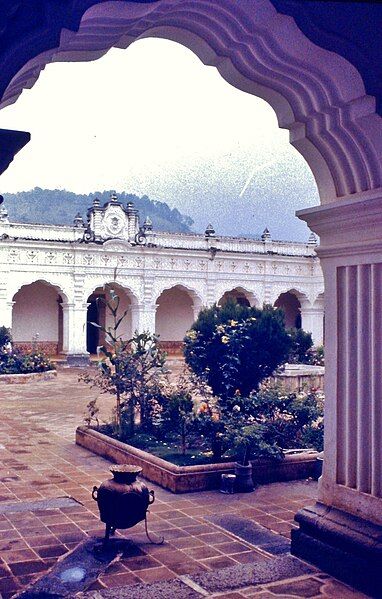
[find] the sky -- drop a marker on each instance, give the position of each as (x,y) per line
(152,119)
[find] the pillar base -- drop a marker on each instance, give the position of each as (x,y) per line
(77,360)
(341,544)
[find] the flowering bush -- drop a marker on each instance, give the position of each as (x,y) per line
(235,347)
(316,356)
(301,346)
(263,424)
(13,361)
(5,336)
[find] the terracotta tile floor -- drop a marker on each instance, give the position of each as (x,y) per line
(39,460)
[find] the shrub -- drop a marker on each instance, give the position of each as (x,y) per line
(301,345)
(130,370)
(316,356)
(5,336)
(16,362)
(235,347)
(291,417)
(263,424)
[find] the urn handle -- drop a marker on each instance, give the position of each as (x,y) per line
(151,497)
(95,493)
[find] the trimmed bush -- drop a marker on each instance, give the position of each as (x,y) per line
(233,348)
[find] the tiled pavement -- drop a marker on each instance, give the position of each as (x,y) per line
(39,460)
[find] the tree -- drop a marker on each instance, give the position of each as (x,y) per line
(128,369)
(233,348)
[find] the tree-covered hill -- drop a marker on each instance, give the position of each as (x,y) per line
(59,207)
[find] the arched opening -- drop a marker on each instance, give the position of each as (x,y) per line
(321,99)
(291,306)
(176,311)
(240,296)
(37,318)
(99,313)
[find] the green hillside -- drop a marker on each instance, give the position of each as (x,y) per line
(59,207)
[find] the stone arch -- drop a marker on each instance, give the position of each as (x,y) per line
(98,312)
(290,301)
(241,295)
(177,308)
(37,317)
(191,290)
(15,285)
(130,285)
(316,94)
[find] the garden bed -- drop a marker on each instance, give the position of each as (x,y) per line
(22,379)
(184,479)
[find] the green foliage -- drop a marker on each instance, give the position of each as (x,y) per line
(5,336)
(56,206)
(251,441)
(261,425)
(130,370)
(316,356)
(235,347)
(302,343)
(16,362)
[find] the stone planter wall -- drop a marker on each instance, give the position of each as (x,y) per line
(301,376)
(183,479)
(22,379)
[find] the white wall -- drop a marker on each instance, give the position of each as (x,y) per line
(35,311)
(174,314)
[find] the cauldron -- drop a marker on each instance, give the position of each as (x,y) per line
(123,501)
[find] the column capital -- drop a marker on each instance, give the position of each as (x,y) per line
(348,226)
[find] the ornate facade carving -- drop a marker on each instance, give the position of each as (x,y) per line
(183,261)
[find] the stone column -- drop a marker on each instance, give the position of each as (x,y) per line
(342,532)
(143,317)
(136,317)
(74,333)
(6,313)
(312,319)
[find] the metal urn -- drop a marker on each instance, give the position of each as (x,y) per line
(122,500)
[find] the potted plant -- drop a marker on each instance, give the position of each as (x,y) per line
(250,443)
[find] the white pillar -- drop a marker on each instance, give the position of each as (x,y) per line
(340,532)
(312,319)
(196,307)
(6,313)
(143,317)
(74,332)
(351,259)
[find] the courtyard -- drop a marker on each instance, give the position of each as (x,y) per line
(40,463)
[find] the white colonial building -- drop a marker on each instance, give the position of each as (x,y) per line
(51,276)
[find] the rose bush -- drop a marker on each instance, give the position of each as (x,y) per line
(235,347)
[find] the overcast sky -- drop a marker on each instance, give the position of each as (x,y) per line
(154,120)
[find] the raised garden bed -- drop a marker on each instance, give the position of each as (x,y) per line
(183,479)
(22,379)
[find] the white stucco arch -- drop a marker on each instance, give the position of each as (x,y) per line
(303,295)
(253,298)
(195,291)
(132,289)
(37,316)
(177,307)
(320,98)
(316,94)
(65,290)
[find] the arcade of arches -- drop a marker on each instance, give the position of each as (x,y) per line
(39,315)
(324,101)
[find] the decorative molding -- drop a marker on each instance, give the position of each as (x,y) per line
(317,95)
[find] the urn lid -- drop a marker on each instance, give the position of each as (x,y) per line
(125,473)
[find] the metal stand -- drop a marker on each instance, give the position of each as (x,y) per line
(158,542)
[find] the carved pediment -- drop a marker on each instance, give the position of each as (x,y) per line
(116,246)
